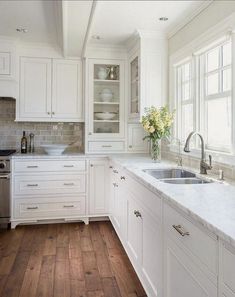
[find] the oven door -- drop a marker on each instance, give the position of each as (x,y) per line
(4,197)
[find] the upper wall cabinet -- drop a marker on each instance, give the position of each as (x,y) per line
(147,74)
(5,58)
(50,90)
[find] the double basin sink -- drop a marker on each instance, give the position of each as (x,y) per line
(176,176)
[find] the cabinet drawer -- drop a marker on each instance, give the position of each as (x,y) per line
(106,146)
(150,201)
(25,208)
(228,267)
(49,165)
(49,184)
(197,242)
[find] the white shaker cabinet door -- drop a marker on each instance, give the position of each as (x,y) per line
(5,59)
(136,143)
(67,101)
(35,88)
(98,183)
(182,276)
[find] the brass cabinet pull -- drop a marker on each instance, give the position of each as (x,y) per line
(106,146)
(137,214)
(68,184)
(32,166)
(32,185)
(68,206)
(122,178)
(68,166)
(180,230)
(33,207)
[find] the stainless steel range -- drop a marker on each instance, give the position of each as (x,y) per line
(5,185)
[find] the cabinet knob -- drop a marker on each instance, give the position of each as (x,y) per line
(111,167)
(137,214)
(53,112)
(122,178)
(89,133)
(115,171)
(115,185)
(130,146)
(92,165)
(48,113)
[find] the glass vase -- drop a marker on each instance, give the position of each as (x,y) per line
(156,150)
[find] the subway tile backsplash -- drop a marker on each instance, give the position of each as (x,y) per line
(45,133)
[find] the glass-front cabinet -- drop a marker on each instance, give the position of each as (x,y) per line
(106,97)
(134,106)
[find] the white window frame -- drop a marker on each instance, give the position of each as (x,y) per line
(199,102)
(179,102)
(204,98)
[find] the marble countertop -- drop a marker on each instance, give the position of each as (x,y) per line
(212,205)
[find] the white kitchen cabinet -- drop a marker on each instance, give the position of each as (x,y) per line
(227,264)
(50,90)
(187,249)
(147,60)
(105,105)
(136,143)
(67,90)
(5,60)
(44,189)
(35,89)
(144,236)
(118,206)
(98,187)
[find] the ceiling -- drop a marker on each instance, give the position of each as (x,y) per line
(39,17)
(116,21)
(71,24)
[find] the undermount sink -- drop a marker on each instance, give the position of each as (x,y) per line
(176,176)
(185,181)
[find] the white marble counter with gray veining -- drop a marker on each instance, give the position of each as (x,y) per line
(211,205)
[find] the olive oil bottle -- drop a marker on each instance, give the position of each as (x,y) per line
(23,144)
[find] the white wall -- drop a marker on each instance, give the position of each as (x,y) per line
(208,18)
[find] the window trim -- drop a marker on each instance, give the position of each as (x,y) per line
(199,96)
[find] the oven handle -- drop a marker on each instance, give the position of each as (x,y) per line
(5,176)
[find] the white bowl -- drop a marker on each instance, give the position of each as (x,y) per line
(105,115)
(54,149)
(106,95)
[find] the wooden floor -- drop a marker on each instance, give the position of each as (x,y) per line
(65,260)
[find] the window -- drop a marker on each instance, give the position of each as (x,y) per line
(216,97)
(184,95)
(203,92)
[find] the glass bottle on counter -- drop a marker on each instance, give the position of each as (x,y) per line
(23,144)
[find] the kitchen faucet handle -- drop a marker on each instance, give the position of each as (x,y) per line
(210,160)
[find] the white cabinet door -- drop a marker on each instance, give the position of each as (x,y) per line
(67,100)
(152,262)
(136,134)
(35,88)
(5,58)
(227,270)
(182,276)
(134,229)
(98,202)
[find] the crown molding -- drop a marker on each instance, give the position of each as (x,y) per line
(176,28)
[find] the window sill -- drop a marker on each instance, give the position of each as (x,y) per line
(219,157)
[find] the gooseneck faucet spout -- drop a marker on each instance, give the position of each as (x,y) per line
(203,165)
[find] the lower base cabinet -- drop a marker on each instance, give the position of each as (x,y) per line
(227,263)
(182,277)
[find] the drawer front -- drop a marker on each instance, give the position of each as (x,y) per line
(49,184)
(49,165)
(151,201)
(106,146)
(228,268)
(55,208)
(197,242)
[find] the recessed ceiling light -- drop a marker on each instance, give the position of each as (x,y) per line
(21,30)
(97,37)
(164,19)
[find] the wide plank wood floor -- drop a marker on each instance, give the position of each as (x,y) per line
(66,260)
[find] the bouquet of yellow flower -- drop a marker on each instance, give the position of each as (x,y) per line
(157,123)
